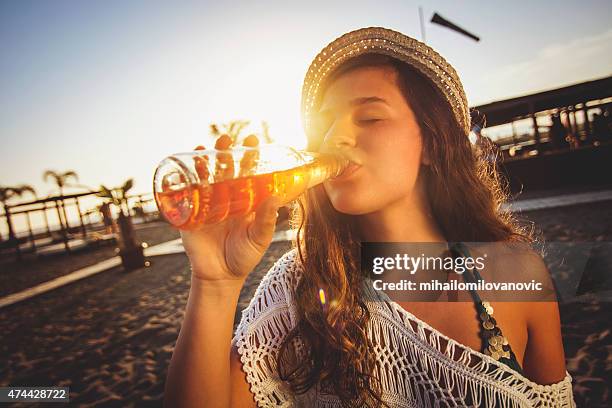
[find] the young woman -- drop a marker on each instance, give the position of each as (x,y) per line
(398,110)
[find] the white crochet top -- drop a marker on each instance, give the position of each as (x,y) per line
(414,368)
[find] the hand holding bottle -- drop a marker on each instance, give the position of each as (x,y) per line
(225,203)
(246,185)
(229,249)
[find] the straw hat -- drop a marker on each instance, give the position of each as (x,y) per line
(391,43)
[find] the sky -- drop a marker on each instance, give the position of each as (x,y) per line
(109,88)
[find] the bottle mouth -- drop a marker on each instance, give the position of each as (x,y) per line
(173,191)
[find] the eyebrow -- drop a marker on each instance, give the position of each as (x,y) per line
(362,101)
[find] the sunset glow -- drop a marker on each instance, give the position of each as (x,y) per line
(108,90)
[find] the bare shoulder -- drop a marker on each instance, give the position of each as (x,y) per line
(544,360)
(544,356)
(516,262)
(538,314)
(508,253)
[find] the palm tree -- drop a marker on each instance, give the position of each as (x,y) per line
(118,195)
(61,180)
(6,193)
(233,129)
(131,252)
(265,132)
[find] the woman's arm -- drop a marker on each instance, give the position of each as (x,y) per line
(201,373)
(544,357)
(221,255)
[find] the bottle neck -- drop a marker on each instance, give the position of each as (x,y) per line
(324,166)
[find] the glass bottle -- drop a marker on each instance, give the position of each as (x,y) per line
(207,186)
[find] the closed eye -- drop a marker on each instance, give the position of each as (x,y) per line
(368,121)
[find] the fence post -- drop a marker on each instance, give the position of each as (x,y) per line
(63,230)
(144,214)
(536,128)
(83,230)
(46,219)
(31,233)
(11,231)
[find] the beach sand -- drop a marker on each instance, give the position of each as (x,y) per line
(585,325)
(19,275)
(110,337)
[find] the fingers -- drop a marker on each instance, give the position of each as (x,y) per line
(223,142)
(229,198)
(250,141)
(261,229)
(201,164)
(250,158)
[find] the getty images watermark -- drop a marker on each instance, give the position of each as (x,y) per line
(493,270)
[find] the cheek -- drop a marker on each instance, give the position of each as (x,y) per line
(393,163)
(394,175)
(395,156)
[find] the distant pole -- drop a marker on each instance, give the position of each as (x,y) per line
(11,231)
(586,123)
(536,128)
(59,215)
(46,219)
(83,230)
(63,204)
(63,230)
(31,232)
(144,215)
(422,24)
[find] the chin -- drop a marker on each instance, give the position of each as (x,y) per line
(350,208)
(352,203)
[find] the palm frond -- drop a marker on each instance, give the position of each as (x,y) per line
(26,188)
(4,193)
(105,192)
(53,175)
(127,185)
(235,128)
(70,174)
(214,130)
(265,132)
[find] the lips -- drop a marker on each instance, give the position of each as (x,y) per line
(349,154)
(348,171)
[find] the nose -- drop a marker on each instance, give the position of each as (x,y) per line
(337,138)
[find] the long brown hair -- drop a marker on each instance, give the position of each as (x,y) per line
(465,193)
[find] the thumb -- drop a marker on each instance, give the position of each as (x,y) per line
(261,229)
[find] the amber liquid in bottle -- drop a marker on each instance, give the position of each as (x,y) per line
(196,205)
